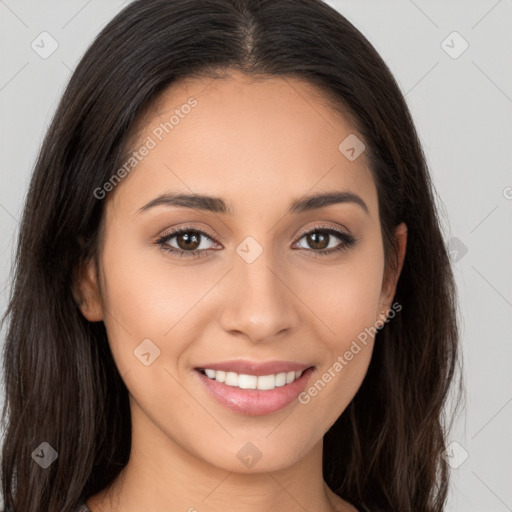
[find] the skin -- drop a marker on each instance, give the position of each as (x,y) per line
(258,145)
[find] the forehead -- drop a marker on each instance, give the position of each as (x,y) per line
(245,139)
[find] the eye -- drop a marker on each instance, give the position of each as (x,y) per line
(319,240)
(188,240)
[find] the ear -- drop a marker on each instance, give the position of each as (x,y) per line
(391,276)
(86,292)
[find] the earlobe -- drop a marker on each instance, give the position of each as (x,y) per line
(87,294)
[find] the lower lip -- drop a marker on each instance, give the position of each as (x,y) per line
(255,402)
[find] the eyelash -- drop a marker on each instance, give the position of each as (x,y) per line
(346,239)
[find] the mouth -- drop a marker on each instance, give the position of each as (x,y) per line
(254,389)
(245,381)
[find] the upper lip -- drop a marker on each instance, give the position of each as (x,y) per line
(245,367)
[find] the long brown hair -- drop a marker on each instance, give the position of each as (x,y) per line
(62,385)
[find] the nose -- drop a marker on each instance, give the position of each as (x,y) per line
(259,302)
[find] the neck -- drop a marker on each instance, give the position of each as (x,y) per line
(162,476)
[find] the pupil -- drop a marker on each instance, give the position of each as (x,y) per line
(189,239)
(315,243)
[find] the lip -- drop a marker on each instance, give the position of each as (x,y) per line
(255,402)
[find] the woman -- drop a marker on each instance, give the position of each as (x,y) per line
(232,290)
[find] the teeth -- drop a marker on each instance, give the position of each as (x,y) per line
(247,381)
(280,379)
(266,382)
(231,379)
(243,381)
(210,373)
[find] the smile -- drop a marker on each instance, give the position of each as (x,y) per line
(244,381)
(254,389)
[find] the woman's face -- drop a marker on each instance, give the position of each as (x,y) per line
(263,295)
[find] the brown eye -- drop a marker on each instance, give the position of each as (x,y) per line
(188,241)
(318,240)
(322,241)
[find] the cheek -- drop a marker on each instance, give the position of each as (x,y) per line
(148,289)
(146,297)
(148,303)
(347,301)
(346,296)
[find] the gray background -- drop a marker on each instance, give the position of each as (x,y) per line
(462,106)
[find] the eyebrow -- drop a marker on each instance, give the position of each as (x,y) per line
(218,205)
